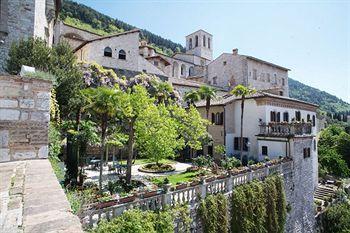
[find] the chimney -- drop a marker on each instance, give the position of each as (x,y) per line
(235,51)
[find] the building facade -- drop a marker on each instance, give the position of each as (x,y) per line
(20,19)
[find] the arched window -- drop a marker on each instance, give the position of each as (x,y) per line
(308,118)
(213,118)
(196,38)
(208,43)
(107,52)
(122,54)
(204,39)
(278,117)
(183,70)
(191,71)
(313,120)
(190,44)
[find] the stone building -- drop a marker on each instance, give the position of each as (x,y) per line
(274,126)
(195,64)
(25,18)
(231,69)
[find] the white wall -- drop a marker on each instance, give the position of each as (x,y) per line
(252,114)
(275,149)
(93,52)
(144,64)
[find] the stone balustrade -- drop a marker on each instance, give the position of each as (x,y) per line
(190,195)
(283,129)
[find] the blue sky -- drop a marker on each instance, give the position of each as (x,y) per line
(312,38)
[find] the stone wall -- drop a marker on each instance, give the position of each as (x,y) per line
(19,24)
(24,118)
(300,188)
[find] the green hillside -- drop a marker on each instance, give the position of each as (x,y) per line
(327,102)
(89,19)
(85,17)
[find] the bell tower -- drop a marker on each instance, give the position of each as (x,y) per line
(200,43)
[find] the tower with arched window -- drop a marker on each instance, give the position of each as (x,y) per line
(200,43)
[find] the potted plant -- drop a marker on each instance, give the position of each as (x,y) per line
(150,193)
(181,186)
(194,182)
(221,176)
(127,199)
(210,179)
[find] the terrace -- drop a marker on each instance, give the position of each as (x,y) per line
(285,129)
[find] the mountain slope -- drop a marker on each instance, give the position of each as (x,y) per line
(89,19)
(327,102)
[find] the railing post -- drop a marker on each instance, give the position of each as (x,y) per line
(229,183)
(166,197)
(280,168)
(267,171)
(203,189)
(250,175)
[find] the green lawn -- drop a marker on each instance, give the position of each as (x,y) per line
(145,161)
(177,178)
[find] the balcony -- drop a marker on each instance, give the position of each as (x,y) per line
(285,129)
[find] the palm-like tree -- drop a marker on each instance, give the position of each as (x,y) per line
(207,93)
(242,91)
(103,102)
(191,97)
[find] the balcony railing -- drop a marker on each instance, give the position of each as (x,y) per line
(284,129)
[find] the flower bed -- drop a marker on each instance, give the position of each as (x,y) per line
(154,168)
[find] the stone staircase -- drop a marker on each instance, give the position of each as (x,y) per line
(324,192)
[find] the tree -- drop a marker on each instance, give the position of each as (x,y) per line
(191,97)
(136,99)
(336,219)
(207,93)
(333,163)
(243,92)
(156,133)
(190,125)
(343,146)
(104,102)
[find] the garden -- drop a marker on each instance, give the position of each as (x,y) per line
(137,122)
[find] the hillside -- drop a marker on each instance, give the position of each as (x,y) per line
(327,102)
(89,19)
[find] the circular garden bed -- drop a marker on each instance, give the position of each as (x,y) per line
(154,168)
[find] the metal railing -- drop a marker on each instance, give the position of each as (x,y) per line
(284,129)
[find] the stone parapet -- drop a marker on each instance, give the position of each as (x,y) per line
(24,118)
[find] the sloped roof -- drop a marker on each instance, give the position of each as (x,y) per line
(160,57)
(191,83)
(224,100)
(106,37)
